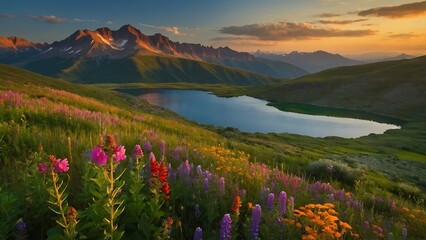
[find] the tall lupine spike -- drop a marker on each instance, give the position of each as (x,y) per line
(270,202)
(198,234)
(283,203)
(163,148)
(255,221)
(197,211)
(291,202)
(226,227)
(206,184)
(222,184)
(404,233)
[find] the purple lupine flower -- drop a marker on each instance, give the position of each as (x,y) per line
(331,197)
(197,211)
(147,146)
(255,221)
(226,227)
(270,201)
(21,226)
(404,233)
(283,203)
(263,194)
(163,148)
(99,156)
(291,203)
(198,234)
(366,225)
(199,171)
(120,153)
(206,184)
(222,184)
(243,193)
(137,151)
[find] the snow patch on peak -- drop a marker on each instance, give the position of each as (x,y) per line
(48,50)
(123,42)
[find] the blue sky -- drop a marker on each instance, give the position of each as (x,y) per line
(242,24)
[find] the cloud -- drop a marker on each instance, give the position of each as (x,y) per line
(84,20)
(243,41)
(170,29)
(109,22)
(6,15)
(404,35)
(49,19)
(342,22)
(291,31)
(328,15)
(401,11)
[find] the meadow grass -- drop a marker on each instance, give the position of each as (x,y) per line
(67,120)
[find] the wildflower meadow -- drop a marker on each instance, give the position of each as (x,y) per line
(74,167)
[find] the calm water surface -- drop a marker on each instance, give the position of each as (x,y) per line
(253,115)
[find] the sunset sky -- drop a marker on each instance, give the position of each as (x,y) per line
(347,27)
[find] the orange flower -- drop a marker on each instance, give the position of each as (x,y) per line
(236,205)
(249,205)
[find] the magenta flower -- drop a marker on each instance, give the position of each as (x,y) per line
(61,165)
(99,156)
(226,227)
(42,167)
(120,153)
(137,152)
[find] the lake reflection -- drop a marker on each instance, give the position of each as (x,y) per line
(253,115)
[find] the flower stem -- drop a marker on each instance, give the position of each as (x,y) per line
(59,201)
(111,197)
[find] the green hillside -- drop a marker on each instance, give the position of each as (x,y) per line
(377,178)
(145,69)
(395,88)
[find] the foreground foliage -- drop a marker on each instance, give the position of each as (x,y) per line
(201,186)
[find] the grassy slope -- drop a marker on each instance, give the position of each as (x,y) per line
(291,152)
(396,88)
(147,69)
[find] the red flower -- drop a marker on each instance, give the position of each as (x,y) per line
(154,168)
(163,172)
(166,190)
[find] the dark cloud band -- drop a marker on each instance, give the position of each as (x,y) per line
(401,11)
(291,31)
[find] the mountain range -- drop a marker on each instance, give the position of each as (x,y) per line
(127,55)
(310,61)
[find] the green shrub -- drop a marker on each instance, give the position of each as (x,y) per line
(328,170)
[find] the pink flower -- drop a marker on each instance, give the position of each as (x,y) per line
(99,156)
(62,165)
(42,167)
(120,153)
(137,152)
